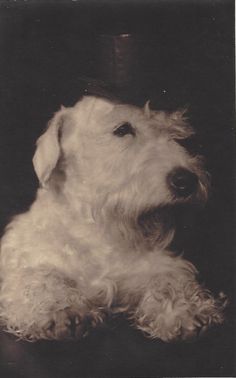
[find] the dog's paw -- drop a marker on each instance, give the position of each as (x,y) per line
(181,318)
(204,311)
(65,324)
(71,323)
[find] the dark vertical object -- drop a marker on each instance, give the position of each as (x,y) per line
(117,59)
(116,68)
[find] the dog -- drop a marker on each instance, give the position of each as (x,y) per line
(95,241)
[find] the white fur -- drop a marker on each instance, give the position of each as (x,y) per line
(80,253)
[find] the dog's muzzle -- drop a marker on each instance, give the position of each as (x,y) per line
(182,182)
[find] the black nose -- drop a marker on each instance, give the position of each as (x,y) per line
(182,182)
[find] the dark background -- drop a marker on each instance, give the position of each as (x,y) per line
(182,54)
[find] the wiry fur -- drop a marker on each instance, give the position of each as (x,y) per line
(95,240)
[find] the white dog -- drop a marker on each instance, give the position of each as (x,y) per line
(95,240)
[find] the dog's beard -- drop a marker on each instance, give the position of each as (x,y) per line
(150,227)
(159,225)
(142,230)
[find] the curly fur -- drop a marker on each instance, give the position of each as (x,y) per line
(95,241)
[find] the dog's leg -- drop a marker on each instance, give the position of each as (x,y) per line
(44,303)
(175,306)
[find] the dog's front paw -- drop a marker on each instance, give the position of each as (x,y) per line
(71,323)
(204,312)
(65,324)
(179,315)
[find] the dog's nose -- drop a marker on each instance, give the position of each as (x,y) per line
(182,182)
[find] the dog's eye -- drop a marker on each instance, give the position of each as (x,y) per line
(124,129)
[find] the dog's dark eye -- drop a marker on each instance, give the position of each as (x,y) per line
(124,129)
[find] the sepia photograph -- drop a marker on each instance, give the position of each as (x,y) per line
(117,190)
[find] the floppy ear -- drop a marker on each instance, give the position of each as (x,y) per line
(48,149)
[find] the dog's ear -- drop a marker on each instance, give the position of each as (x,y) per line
(48,148)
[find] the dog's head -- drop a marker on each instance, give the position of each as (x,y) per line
(126,160)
